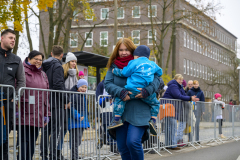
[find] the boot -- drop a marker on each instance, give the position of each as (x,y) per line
(60,156)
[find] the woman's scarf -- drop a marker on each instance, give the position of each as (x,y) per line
(123,62)
(71,79)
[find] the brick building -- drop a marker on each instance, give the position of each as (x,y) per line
(203,48)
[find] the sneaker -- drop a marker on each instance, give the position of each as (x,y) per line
(153,128)
(222,136)
(114,124)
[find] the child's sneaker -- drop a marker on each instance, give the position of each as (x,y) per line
(114,124)
(153,127)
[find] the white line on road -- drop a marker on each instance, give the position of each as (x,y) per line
(238,158)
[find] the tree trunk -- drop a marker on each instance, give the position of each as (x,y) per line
(66,34)
(27,29)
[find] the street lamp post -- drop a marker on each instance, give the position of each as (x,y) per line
(238,68)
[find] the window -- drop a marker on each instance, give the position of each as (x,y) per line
(194,69)
(188,40)
(89,41)
(200,71)
(195,45)
(89,14)
(187,67)
(203,75)
(211,51)
(206,72)
(104,13)
(198,46)
(136,12)
(75,15)
(104,39)
(190,16)
(120,13)
(152,10)
(206,49)
(73,40)
(191,43)
(120,34)
(184,66)
(191,68)
(197,75)
(185,39)
(150,37)
(136,37)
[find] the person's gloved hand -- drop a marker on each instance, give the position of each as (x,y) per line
(46,119)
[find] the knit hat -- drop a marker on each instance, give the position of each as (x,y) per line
(142,51)
(217,95)
(70,56)
(184,83)
(81,73)
(82,82)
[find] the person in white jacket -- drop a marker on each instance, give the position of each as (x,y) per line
(218,107)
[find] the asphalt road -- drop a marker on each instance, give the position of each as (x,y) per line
(227,151)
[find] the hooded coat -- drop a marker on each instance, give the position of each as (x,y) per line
(54,70)
(176,91)
(33,114)
(79,108)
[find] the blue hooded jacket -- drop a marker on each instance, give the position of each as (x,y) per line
(79,108)
(140,73)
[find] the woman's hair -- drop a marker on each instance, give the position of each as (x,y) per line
(35,53)
(127,42)
(178,76)
(195,82)
(66,67)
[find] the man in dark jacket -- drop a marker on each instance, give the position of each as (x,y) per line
(12,73)
(54,70)
(189,86)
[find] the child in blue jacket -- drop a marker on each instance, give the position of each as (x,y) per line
(78,119)
(140,73)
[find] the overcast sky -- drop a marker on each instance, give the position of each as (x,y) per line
(229,18)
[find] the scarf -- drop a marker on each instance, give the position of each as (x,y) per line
(71,79)
(123,62)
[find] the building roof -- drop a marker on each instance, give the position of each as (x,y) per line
(90,59)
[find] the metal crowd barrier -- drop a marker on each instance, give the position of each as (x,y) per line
(84,125)
(7,119)
(107,147)
(68,133)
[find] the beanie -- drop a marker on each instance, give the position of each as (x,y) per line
(82,82)
(70,56)
(217,95)
(142,51)
(184,83)
(81,73)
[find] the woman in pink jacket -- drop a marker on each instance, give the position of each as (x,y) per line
(34,107)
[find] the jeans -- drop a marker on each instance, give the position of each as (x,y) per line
(9,126)
(29,135)
(197,128)
(61,139)
(181,127)
(75,141)
(170,130)
(119,104)
(129,139)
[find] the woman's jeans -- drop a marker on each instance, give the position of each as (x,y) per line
(170,130)
(129,139)
(29,135)
(181,127)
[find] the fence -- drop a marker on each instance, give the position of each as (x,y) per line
(79,130)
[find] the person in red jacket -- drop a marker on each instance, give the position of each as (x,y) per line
(33,116)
